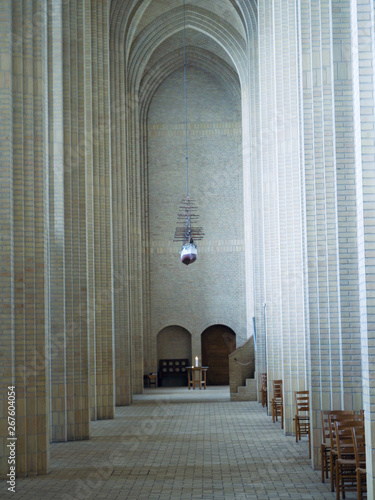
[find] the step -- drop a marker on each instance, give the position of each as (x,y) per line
(247,392)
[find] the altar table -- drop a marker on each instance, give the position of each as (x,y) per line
(197,376)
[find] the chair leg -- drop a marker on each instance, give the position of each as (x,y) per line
(359,485)
(332,468)
(326,465)
(338,482)
(309,436)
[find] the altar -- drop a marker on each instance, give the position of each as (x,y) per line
(197,376)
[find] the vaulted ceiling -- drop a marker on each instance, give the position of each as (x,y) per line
(149,33)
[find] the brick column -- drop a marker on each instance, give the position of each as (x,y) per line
(120,103)
(7,310)
(282,202)
(321,211)
(31,220)
(268,161)
(57,355)
(346,205)
(135,245)
(102,343)
(76,371)
(363,53)
(330,210)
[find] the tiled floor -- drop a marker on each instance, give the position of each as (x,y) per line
(179,444)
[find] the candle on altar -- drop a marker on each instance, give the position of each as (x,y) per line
(196,361)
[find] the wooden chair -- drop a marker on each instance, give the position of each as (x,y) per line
(325,447)
(152,380)
(346,476)
(332,417)
(263,389)
(358,435)
(302,417)
(277,402)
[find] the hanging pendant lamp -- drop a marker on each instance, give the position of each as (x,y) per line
(186,230)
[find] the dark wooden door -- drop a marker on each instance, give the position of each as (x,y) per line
(218,342)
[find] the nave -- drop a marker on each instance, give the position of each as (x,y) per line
(177,444)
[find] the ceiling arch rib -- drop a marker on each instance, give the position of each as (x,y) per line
(173,61)
(194,39)
(129,17)
(247,11)
(197,19)
(124,18)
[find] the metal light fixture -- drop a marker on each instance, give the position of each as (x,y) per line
(186,231)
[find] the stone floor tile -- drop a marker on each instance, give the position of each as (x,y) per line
(175,444)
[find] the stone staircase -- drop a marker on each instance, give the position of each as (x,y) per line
(247,392)
(242,376)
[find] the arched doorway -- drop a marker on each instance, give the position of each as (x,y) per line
(218,341)
(174,355)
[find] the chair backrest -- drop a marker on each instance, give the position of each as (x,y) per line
(359,444)
(302,399)
(325,416)
(342,415)
(263,380)
(344,437)
(278,389)
(325,426)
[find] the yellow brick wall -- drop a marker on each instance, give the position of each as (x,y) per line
(281,154)
(212,289)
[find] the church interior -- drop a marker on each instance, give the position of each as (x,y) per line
(259,115)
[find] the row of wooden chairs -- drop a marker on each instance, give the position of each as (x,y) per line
(343,451)
(302,417)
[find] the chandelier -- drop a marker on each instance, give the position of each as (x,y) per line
(186,231)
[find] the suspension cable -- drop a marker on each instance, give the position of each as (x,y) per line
(186,124)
